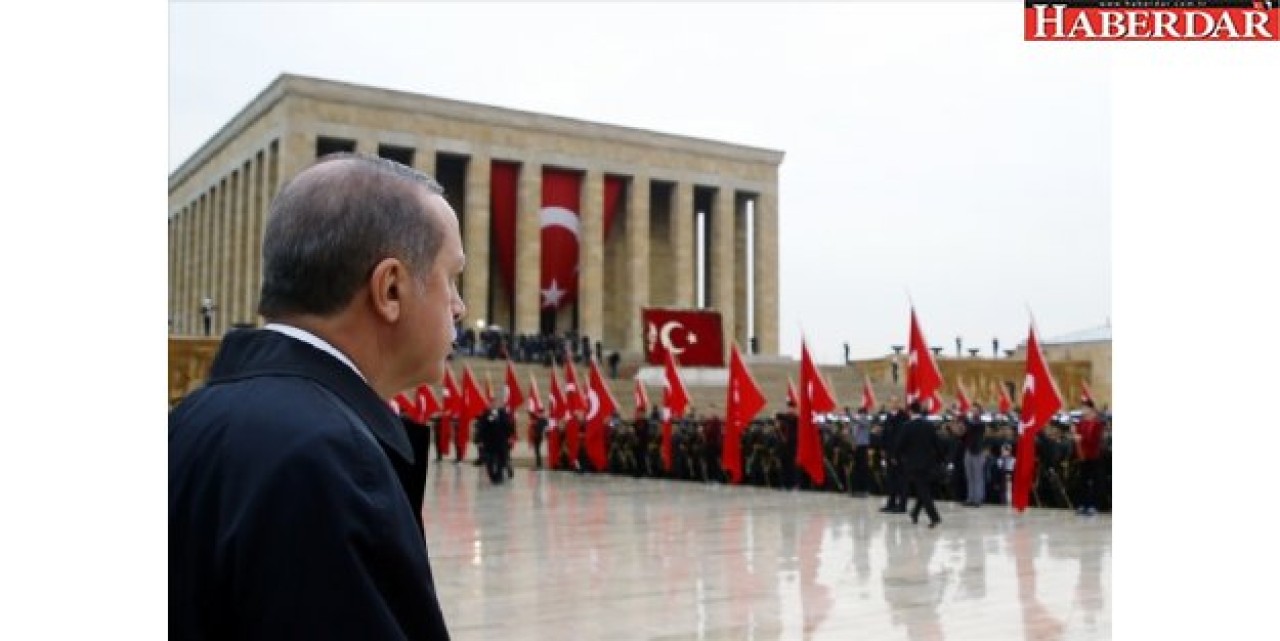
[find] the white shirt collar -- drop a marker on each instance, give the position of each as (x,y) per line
(316,342)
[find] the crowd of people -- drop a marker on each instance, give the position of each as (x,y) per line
(971,461)
(550,349)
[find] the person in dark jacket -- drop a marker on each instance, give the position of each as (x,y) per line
(496,429)
(287,516)
(919,449)
(895,480)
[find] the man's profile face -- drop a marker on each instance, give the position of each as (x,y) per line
(436,301)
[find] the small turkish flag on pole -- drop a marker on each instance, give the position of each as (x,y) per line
(641,397)
(868,397)
(1005,404)
(815,398)
(1040,401)
(514,398)
(427,403)
(923,378)
(675,400)
(600,408)
(962,398)
(1086,395)
(744,401)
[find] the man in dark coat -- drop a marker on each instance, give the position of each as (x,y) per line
(496,431)
(895,479)
(919,450)
(287,518)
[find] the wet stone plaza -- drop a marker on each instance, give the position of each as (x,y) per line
(555,555)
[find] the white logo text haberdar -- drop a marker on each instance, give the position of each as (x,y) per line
(1053,23)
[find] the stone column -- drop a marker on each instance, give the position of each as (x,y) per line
(174,257)
(225,213)
(234,247)
(296,152)
(475,243)
(637,262)
(184,262)
(217,214)
(684,271)
(741,313)
(424,158)
(591,257)
(721,261)
(253,262)
(197,264)
(766,272)
(528,292)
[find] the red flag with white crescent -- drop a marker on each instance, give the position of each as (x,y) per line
(512,397)
(600,407)
(561,230)
(815,398)
(677,398)
(695,336)
(743,402)
(1040,401)
(923,378)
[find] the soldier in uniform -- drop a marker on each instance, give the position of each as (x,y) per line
(918,450)
(860,433)
(713,442)
(789,431)
(537,429)
(495,430)
(641,428)
(896,484)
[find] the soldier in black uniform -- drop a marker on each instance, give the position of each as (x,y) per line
(538,425)
(918,449)
(641,443)
(789,428)
(496,431)
(896,484)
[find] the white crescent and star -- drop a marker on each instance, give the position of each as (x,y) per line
(560,217)
(568,220)
(665,334)
(552,295)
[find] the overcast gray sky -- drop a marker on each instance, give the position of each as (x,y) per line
(929,149)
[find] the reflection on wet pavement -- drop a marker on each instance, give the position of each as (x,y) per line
(561,556)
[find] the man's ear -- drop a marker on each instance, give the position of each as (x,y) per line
(388,284)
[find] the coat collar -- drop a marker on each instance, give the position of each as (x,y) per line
(249,353)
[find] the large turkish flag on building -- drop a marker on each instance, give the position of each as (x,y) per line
(692,335)
(561,230)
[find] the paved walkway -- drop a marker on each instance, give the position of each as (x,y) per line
(554,555)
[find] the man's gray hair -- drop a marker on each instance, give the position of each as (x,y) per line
(334,222)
